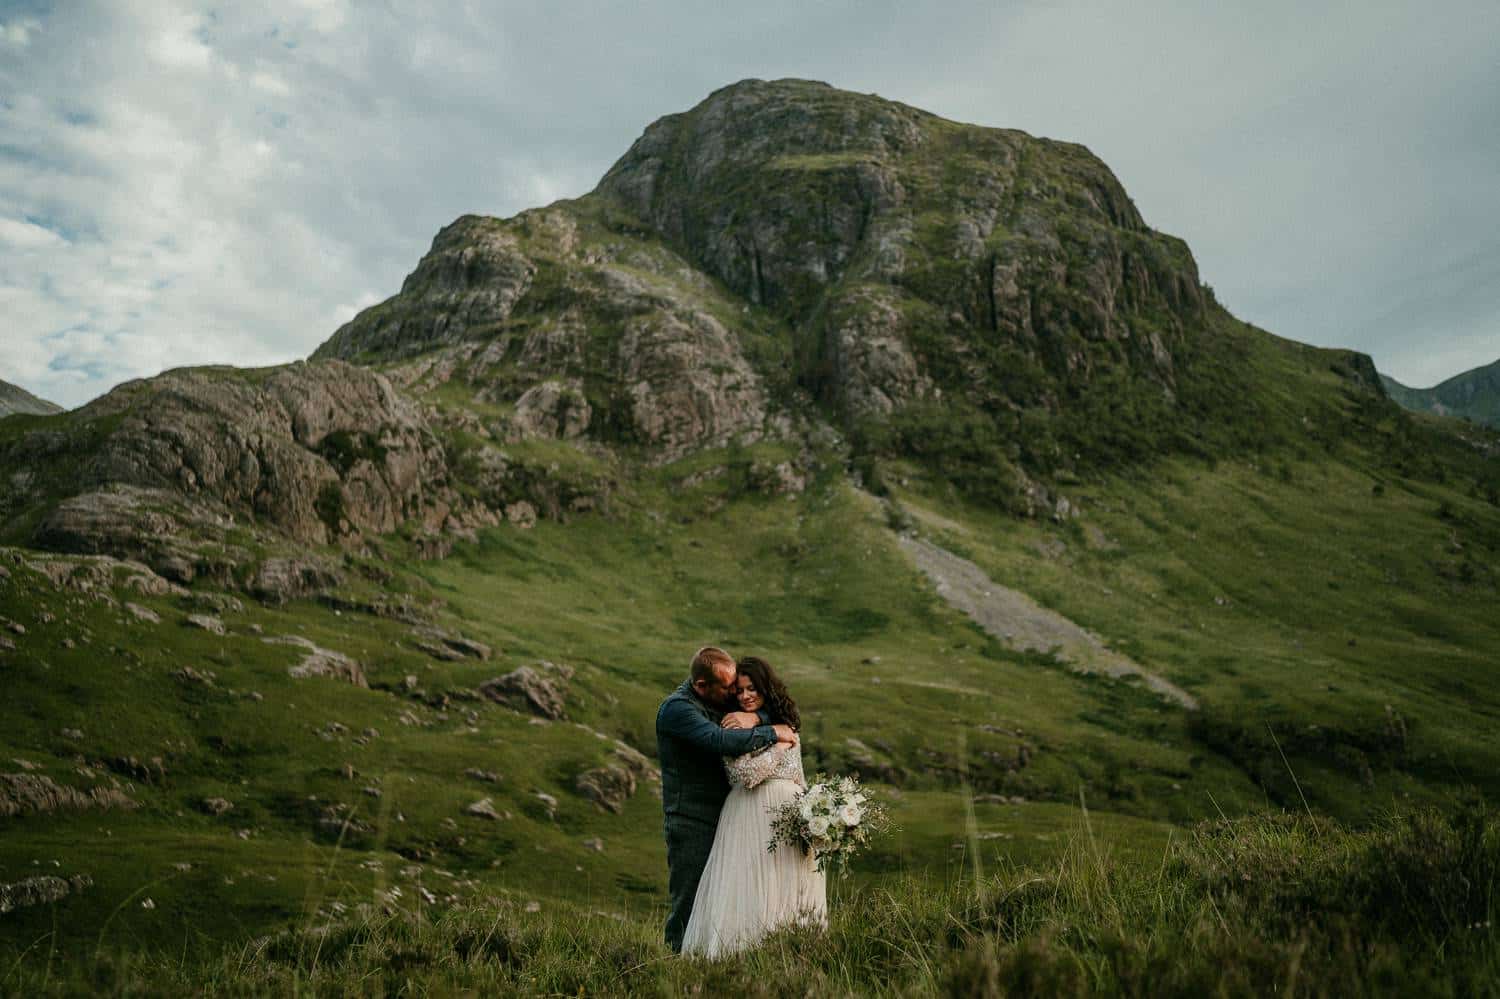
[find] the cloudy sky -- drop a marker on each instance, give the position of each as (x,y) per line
(188,183)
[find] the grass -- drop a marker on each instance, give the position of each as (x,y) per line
(1274,604)
(1284,904)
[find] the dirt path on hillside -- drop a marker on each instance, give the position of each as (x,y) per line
(1023,624)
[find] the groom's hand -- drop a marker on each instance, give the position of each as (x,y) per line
(740,719)
(786,734)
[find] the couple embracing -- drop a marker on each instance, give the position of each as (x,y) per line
(730,755)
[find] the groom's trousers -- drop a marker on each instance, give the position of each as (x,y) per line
(689,841)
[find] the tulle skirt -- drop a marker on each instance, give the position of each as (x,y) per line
(746,891)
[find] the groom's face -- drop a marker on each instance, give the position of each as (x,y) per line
(719,689)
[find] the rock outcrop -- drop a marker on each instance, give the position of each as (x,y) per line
(277,580)
(41,890)
(311,453)
(449,647)
(536,689)
(484,808)
(614,782)
(318,661)
(29,794)
(471,279)
(608,787)
(515,307)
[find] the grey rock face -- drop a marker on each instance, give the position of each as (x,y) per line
(112,520)
(143,614)
(536,690)
(318,453)
(522,514)
(873,227)
(688,383)
(815,162)
(608,787)
(484,808)
(96,575)
(27,794)
(317,661)
(277,580)
(206,622)
(448,646)
(553,409)
(670,375)
(873,368)
(473,276)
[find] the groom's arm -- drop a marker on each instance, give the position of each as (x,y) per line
(678,718)
(735,719)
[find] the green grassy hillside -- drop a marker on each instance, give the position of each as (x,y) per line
(1335,626)
(1284,905)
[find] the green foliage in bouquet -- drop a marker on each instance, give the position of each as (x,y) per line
(834,819)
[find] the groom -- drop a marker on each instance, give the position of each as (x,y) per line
(691,746)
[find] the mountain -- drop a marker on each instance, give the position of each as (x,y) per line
(923,412)
(784,256)
(990,301)
(1472,395)
(14,399)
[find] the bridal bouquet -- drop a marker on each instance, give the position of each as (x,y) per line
(833,819)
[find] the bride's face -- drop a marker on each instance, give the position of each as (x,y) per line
(748,696)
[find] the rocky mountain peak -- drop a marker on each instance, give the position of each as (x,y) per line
(911,254)
(890,255)
(776,187)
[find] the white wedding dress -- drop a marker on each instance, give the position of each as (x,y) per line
(747,891)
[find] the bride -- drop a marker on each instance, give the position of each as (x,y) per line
(747,891)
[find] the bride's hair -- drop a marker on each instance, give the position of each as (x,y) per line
(783,709)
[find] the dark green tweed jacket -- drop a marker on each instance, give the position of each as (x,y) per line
(691,748)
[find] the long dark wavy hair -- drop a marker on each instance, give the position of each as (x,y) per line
(783,709)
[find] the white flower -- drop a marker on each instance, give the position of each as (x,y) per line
(807,808)
(850,815)
(818,826)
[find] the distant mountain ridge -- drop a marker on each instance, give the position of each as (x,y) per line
(1473,394)
(14,399)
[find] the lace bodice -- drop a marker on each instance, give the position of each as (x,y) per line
(780,761)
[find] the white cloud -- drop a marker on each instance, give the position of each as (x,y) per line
(270,83)
(17,34)
(28,235)
(177,45)
(186,183)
